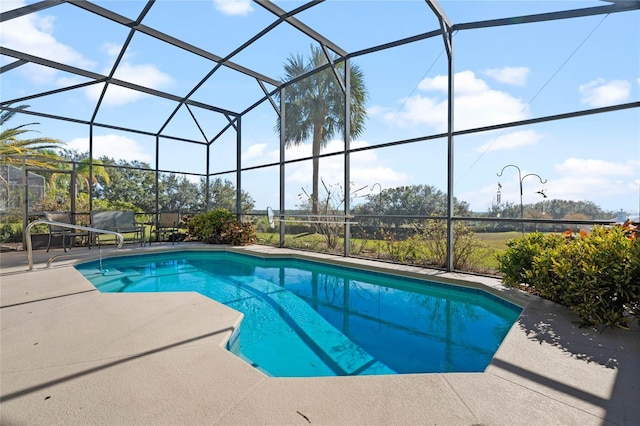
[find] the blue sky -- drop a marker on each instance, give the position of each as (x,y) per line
(503,74)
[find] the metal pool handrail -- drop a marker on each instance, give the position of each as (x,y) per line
(27,230)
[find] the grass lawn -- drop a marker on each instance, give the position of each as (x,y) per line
(498,240)
(494,242)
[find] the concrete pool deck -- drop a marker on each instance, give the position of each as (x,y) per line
(72,355)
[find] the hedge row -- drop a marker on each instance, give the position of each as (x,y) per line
(596,274)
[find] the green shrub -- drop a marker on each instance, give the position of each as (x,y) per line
(398,250)
(202,226)
(517,259)
(237,233)
(220,227)
(10,232)
(634,268)
(596,275)
(428,246)
(432,243)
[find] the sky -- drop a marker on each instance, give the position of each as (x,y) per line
(504,74)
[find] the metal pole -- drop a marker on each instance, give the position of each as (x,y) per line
(25,201)
(73,189)
(347,157)
(283,141)
(156,218)
(207,198)
(90,189)
(238,168)
(379,210)
(450,145)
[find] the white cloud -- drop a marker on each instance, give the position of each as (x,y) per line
(233,7)
(34,34)
(113,146)
(588,179)
(465,83)
(512,140)
(144,74)
(419,110)
(147,75)
(575,179)
(490,107)
(113,49)
(37,74)
(256,151)
(367,169)
(581,167)
(66,81)
(476,104)
(7,5)
(378,110)
(585,188)
(516,76)
(600,93)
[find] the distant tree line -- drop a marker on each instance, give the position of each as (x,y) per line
(553,209)
(131,184)
(391,208)
(425,200)
(176,192)
(392,204)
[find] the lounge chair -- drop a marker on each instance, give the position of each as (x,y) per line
(66,233)
(168,225)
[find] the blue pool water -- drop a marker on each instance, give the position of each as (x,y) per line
(307,319)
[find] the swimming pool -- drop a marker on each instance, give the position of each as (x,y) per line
(308,319)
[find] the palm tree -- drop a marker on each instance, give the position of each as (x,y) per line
(38,150)
(35,152)
(315,106)
(97,172)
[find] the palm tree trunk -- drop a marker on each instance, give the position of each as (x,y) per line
(317,142)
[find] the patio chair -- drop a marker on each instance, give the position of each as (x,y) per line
(123,222)
(168,225)
(54,230)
